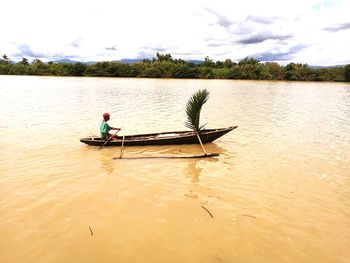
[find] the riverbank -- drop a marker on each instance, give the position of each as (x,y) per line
(249,69)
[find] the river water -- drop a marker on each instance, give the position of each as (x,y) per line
(278,192)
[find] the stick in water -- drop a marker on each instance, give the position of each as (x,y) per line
(207,211)
(121,149)
(91,231)
(200,141)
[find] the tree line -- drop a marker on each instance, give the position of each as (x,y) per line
(164,66)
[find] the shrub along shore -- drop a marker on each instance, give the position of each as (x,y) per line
(164,66)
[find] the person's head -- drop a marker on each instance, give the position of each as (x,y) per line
(106,116)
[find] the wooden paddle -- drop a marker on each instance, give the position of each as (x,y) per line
(109,139)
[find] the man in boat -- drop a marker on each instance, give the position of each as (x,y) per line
(105,128)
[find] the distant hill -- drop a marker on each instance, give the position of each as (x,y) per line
(65,60)
(123,60)
(130,60)
(195,61)
(135,60)
(69,61)
(316,67)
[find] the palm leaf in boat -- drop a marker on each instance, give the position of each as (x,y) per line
(193,109)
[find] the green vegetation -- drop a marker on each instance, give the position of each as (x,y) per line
(347,72)
(193,109)
(164,66)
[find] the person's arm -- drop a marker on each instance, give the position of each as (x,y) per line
(115,128)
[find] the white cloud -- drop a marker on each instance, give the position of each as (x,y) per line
(188,29)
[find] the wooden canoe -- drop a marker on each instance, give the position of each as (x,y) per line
(163,138)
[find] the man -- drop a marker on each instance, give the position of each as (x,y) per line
(105,128)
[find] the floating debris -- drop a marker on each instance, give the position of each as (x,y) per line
(207,211)
(92,233)
(250,216)
(191,195)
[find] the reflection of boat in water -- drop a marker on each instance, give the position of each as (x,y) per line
(164,138)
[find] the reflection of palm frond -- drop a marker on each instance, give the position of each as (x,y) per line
(193,109)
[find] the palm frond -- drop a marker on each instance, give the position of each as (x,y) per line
(193,109)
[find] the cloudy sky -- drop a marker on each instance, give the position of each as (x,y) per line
(316,32)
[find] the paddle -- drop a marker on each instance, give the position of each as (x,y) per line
(109,139)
